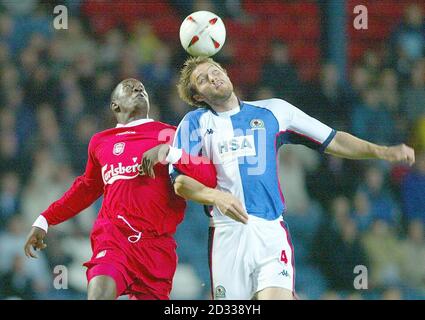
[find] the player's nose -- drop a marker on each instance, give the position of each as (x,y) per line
(139,88)
(213,79)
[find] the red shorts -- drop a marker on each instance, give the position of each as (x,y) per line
(143,269)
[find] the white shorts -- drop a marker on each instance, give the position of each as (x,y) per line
(245,259)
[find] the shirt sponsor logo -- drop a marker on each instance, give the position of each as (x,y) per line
(241,146)
(112,173)
(118,148)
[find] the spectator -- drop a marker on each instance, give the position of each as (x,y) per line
(332,175)
(21,112)
(389,88)
(175,108)
(328,233)
(11,243)
(413,251)
(392,293)
(110,48)
(294,162)
(192,241)
(84,130)
(9,79)
(368,114)
(328,99)
(414,95)
(382,203)
(145,42)
(362,212)
(384,252)
(158,74)
(372,63)
(359,82)
(409,38)
(345,253)
(15,283)
(40,82)
(279,74)
(102,91)
(9,197)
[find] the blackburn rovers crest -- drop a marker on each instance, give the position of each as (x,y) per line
(220,292)
(256,124)
(118,148)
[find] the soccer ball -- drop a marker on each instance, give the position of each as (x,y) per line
(202,33)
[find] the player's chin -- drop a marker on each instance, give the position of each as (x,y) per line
(142,104)
(223,90)
(227,93)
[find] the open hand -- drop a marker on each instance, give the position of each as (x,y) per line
(34,241)
(230,206)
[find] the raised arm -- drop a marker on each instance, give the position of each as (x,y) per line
(299,128)
(345,145)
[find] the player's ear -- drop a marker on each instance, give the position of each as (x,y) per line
(114,107)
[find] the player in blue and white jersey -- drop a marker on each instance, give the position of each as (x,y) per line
(254,259)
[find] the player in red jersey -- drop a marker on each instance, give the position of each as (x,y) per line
(134,251)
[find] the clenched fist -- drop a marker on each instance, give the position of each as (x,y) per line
(400,153)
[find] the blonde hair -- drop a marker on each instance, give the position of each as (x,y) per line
(185,87)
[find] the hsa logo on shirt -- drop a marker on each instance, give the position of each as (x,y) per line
(241,146)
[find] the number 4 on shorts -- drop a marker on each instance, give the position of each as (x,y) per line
(283,257)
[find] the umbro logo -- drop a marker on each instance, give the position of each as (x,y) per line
(125,132)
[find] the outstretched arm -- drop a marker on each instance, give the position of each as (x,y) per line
(229,205)
(345,145)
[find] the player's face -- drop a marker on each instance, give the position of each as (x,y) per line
(211,83)
(133,96)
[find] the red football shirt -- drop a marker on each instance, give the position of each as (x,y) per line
(113,169)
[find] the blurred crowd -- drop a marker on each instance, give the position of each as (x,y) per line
(54,92)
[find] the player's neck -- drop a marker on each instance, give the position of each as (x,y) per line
(125,118)
(227,105)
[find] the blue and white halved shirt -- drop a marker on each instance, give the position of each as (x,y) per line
(243,144)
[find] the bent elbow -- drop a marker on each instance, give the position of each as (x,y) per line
(179,187)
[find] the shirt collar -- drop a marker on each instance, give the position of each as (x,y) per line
(230,112)
(134,123)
